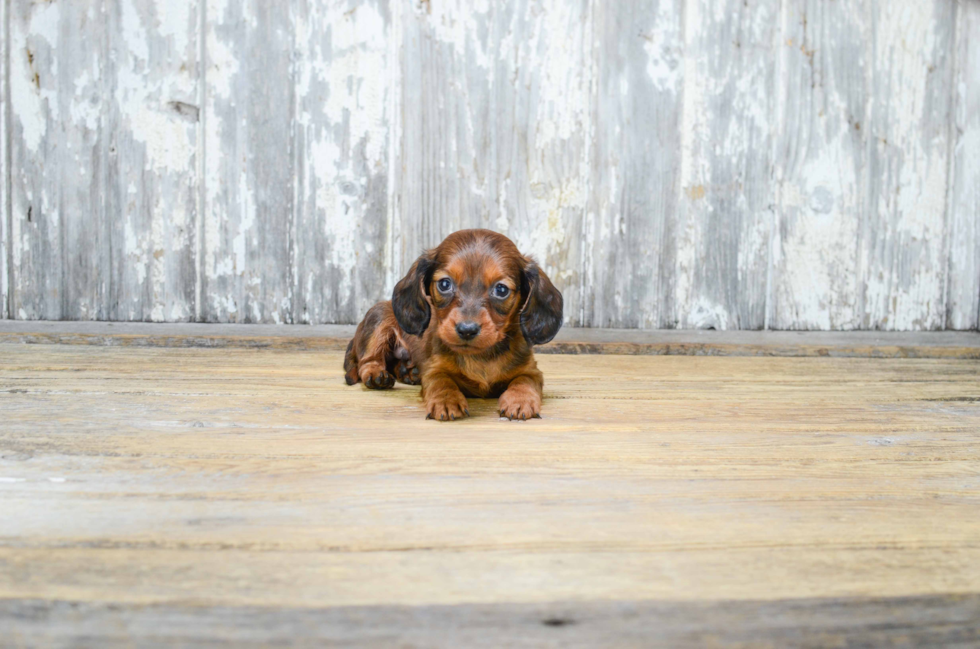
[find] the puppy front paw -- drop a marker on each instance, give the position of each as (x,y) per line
(520,404)
(407,373)
(448,406)
(376,377)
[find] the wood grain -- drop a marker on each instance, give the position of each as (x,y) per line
(446,127)
(725,210)
(341,146)
(675,342)
(902,263)
(152,185)
(629,237)
(864,622)
(819,166)
(249,170)
(688,163)
(58,160)
(495,106)
(244,478)
(5,240)
(963,289)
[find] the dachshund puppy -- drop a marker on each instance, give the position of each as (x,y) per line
(462,323)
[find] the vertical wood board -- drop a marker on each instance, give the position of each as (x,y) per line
(629,234)
(4,162)
(539,139)
(789,164)
(57,160)
(247,247)
(495,113)
(341,158)
(819,166)
(725,214)
(152,186)
(446,124)
(909,46)
(963,285)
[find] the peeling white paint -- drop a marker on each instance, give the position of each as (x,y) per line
(136,253)
(525,116)
(5,235)
(911,194)
(32,96)
(664,52)
(963,263)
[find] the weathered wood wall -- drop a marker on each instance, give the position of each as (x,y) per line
(785,164)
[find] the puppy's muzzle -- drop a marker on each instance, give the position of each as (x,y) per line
(468,330)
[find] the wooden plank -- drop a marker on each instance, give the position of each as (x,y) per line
(725,211)
(963,289)
(446,181)
(729,498)
(937,621)
(570,340)
(844,154)
(249,201)
(341,148)
(629,234)
(909,48)
(495,107)
(4,163)
(539,110)
(152,121)
(58,160)
(819,166)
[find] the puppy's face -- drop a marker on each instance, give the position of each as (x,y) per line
(477,289)
(475,295)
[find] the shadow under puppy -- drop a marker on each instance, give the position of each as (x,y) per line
(462,323)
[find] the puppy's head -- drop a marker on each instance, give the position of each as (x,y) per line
(476,289)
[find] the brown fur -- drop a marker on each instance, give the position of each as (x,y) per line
(413,338)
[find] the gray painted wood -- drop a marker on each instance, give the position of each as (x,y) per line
(494,130)
(791,164)
(152,125)
(5,241)
(963,288)
(861,166)
(818,166)
(570,340)
(933,620)
(341,150)
(539,142)
(58,160)
(629,237)
(909,46)
(249,163)
(725,213)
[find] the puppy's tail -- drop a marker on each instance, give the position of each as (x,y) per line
(350,365)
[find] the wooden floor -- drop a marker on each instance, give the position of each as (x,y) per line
(247,496)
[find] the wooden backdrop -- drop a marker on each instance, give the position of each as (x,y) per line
(790,164)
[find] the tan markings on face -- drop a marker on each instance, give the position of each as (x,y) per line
(470,301)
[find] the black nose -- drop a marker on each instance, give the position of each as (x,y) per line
(467,330)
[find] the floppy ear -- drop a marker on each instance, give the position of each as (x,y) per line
(408,299)
(541,314)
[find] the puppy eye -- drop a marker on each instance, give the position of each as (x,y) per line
(501,290)
(445,284)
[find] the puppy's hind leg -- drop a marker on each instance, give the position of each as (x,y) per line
(369,353)
(350,365)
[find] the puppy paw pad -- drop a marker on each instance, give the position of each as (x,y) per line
(449,408)
(518,407)
(380,381)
